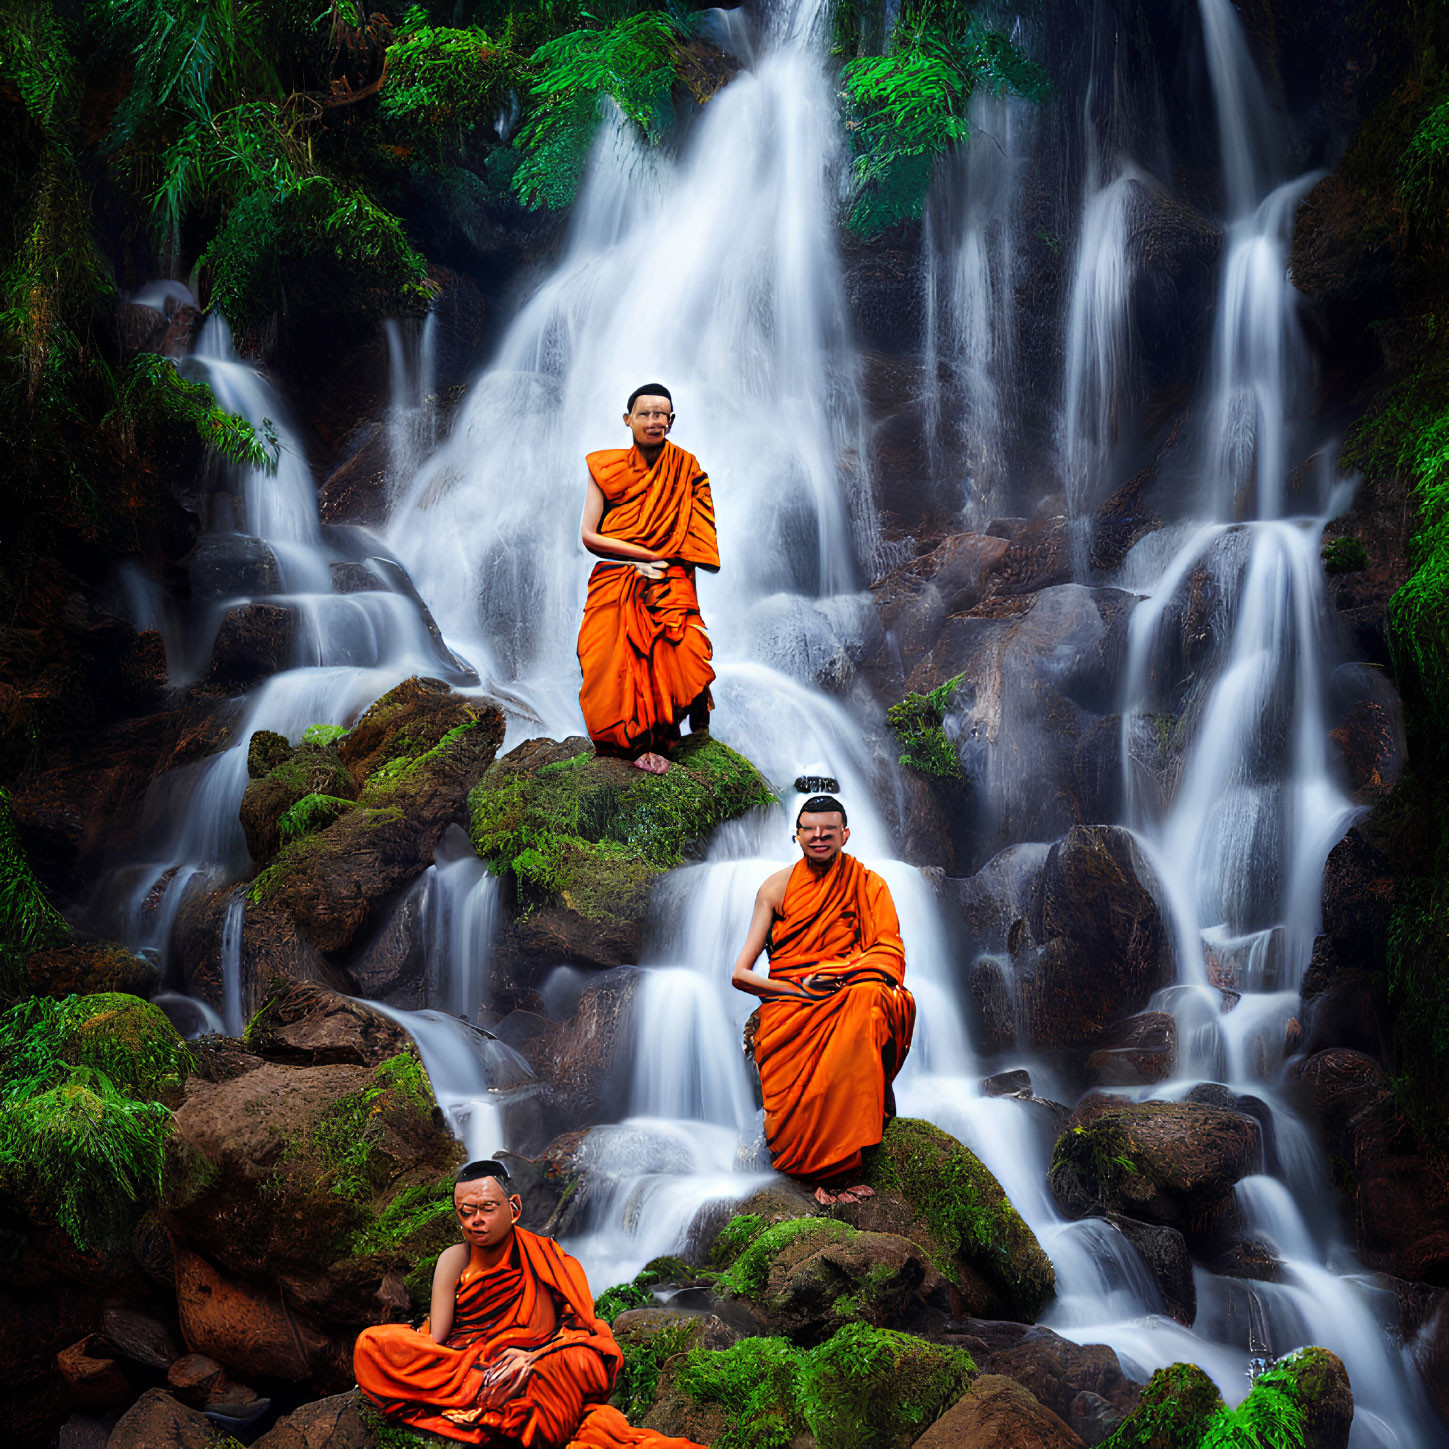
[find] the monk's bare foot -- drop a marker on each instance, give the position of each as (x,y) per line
(655,764)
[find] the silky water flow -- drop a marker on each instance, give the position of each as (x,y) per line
(718,271)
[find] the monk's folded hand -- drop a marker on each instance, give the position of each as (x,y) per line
(507,1373)
(653,570)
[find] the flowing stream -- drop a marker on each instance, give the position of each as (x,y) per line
(717,270)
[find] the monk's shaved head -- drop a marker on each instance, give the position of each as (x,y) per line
(650,389)
(486,1210)
(821,805)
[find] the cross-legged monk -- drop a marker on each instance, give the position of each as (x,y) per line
(511,1353)
(642,646)
(835,1018)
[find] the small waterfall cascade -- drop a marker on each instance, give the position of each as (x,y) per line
(353,627)
(972,267)
(412,414)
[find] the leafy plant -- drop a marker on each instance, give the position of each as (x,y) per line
(1345,556)
(630,63)
(908,106)
(323,734)
(918,721)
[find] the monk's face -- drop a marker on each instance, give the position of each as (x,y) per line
(486,1213)
(822,837)
(650,419)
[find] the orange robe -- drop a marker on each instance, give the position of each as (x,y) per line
(826,1065)
(642,646)
(538,1298)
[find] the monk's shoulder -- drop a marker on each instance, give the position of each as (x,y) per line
(690,465)
(775,886)
(609,467)
(451,1262)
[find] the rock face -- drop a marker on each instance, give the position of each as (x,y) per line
(304,1024)
(334,1423)
(1399,1182)
(157,1421)
(580,841)
(1170,1163)
(271,1252)
(997,1413)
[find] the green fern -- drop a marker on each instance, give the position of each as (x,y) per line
(918,721)
(630,63)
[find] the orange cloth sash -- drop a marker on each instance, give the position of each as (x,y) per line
(539,1300)
(643,649)
(822,1073)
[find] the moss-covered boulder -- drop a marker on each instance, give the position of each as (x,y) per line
(1174,1411)
(936,1192)
(580,840)
(864,1388)
(1173,1163)
(330,1181)
(85,1085)
(650,1338)
(806,1277)
(307,771)
(340,858)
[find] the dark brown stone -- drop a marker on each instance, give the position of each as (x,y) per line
(139,1338)
(998,1413)
(95,1381)
(1164,1251)
(1136,1052)
(407,721)
(334,1423)
(306,1025)
(254,642)
(309,770)
(193,1377)
(157,1421)
(84,967)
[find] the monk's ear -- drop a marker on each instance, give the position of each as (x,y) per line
(515,1204)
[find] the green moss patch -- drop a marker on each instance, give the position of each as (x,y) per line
(590,833)
(919,723)
(83,1119)
(640,1292)
(864,1388)
(645,1355)
(746,1277)
(1174,1411)
(311,812)
(965,1211)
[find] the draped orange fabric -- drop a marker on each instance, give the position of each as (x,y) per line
(538,1299)
(643,649)
(826,1065)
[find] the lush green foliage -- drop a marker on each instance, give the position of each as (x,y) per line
(629,63)
(82,1132)
(27,918)
(1175,1410)
(1271,1417)
(918,721)
(908,106)
(311,812)
(864,1388)
(644,1359)
(323,734)
(747,1274)
(1345,556)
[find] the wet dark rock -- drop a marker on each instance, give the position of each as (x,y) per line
(1344,1003)
(998,1413)
(1397,1180)
(1321,1383)
(584,1064)
(1015,1083)
(1246,1258)
(254,642)
(304,1024)
(1359,889)
(334,1423)
(158,1421)
(266,751)
(1136,1052)
(391,963)
(1122,520)
(1093,1418)
(989,982)
(1095,942)
(139,1338)
(1173,1163)
(193,1377)
(1058,1371)
(1164,1251)
(1369,732)
(356,490)
(232,565)
(404,724)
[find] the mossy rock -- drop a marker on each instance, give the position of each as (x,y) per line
(329,1179)
(806,1277)
(864,1388)
(130,1040)
(1174,1411)
(962,1217)
(650,1337)
(406,723)
(309,770)
(580,839)
(82,968)
(658,1273)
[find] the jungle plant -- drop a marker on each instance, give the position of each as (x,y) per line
(630,63)
(919,721)
(1345,556)
(908,106)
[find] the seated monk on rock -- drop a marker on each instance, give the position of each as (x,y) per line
(835,1019)
(511,1353)
(643,649)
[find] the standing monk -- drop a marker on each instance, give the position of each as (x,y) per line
(835,1019)
(511,1354)
(642,646)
